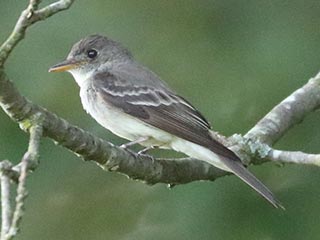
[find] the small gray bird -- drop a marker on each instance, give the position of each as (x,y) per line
(132,102)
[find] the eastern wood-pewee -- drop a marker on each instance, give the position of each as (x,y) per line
(134,103)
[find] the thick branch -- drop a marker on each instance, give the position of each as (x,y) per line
(104,153)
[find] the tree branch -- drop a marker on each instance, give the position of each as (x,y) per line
(294,157)
(5,203)
(29,16)
(10,221)
(288,113)
(29,161)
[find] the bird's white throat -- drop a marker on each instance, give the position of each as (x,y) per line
(81,76)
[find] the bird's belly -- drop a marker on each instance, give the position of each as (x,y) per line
(124,125)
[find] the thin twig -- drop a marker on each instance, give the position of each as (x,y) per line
(13,172)
(29,158)
(21,195)
(51,9)
(34,4)
(5,205)
(29,16)
(294,157)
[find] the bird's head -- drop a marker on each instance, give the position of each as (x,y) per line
(90,54)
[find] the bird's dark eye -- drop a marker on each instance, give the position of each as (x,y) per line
(92,53)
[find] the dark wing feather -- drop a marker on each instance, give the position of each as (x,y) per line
(171,113)
(161,109)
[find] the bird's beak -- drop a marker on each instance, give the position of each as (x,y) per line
(65,65)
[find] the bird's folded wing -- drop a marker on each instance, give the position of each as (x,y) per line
(160,108)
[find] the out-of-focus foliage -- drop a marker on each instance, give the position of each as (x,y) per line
(233,59)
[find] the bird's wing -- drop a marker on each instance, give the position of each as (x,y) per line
(167,111)
(161,109)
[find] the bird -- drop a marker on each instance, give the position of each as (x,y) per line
(134,103)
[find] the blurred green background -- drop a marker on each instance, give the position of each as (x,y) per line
(232,59)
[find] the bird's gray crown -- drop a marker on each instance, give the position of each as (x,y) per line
(106,50)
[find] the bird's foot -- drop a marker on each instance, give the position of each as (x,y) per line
(145,150)
(138,140)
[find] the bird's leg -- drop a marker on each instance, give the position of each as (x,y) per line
(145,150)
(138,140)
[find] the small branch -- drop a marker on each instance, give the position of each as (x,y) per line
(36,131)
(288,113)
(10,222)
(294,157)
(258,153)
(21,195)
(29,16)
(30,158)
(51,9)
(33,5)
(5,204)
(7,169)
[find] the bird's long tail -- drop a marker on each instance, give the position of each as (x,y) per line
(239,170)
